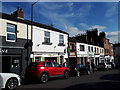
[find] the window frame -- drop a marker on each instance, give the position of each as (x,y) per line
(73,47)
(83,48)
(13,33)
(61,39)
(48,37)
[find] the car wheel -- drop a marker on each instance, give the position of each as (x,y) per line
(66,74)
(44,78)
(12,84)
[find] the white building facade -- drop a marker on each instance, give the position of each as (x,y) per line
(88,53)
(49,45)
(82,54)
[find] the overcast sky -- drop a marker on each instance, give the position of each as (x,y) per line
(72,17)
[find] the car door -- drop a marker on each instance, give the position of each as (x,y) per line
(58,69)
(1,81)
(50,69)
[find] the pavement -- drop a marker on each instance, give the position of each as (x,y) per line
(99,79)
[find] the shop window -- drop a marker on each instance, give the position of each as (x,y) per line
(37,59)
(15,62)
(11,33)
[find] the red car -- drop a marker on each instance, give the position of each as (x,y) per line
(46,69)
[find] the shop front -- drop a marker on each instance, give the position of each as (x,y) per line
(91,58)
(57,57)
(11,60)
(82,59)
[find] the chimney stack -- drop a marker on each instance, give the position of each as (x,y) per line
(18,13)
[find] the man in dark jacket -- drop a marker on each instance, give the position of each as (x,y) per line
(92,65)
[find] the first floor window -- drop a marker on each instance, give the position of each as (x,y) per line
(61,39)
(11,33)
(47,37)
(71,47)
(82,48)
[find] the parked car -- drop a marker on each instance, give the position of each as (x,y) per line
(42,71)
(104,66)
(9,81)
(79,69)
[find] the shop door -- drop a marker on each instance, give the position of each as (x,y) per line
(6,64)
(15,64)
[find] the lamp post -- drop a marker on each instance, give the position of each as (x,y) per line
(32,23)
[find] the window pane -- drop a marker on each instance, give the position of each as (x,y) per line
(10,36)
(11,28)
(47,40)
(61,36)
(47,34)
(82,48)
(89,48)
(71,46)
(61,41)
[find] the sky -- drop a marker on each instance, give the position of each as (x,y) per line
(72,17)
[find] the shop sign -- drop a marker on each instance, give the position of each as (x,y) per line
(3,50)
(51,55)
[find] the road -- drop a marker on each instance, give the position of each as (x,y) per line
(100,79)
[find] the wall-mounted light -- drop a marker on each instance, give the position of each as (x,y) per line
(38,45)
(54,46)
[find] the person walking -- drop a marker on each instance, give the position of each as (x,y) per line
(64,64)
(92,65)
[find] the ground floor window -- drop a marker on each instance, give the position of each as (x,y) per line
(37,59)
(11,63)
(51,59)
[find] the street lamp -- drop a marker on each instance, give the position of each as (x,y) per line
(32,23)
(32,19)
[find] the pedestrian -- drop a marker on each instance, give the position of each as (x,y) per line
(88,66)
(92,65)
(64,64)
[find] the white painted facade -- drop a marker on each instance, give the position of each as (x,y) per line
(54,50)
(89,54)
(81,54)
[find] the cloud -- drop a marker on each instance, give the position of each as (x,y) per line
(113,36)
(74,31)
(98,27)
(85,26)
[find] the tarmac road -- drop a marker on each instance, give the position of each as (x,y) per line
(100,79)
